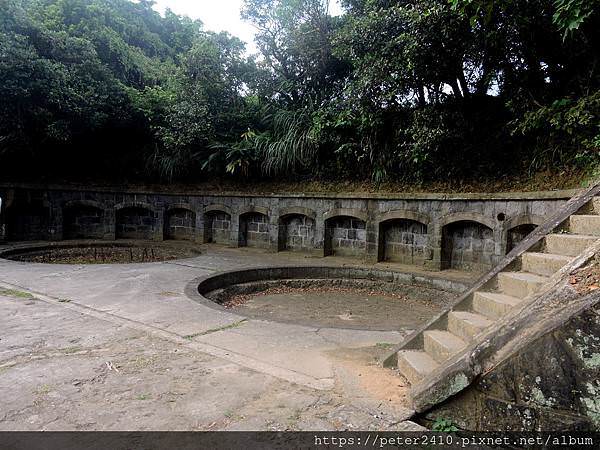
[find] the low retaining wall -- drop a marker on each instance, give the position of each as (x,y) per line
(464,231)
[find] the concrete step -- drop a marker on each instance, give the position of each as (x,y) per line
(415,364)
(519,284)
(584,224)
(494,304)
(568,244)
(592,207)
(467,324)
(546,264)
(441,344)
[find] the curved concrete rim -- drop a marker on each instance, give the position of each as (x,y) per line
(26,247)
(197,285)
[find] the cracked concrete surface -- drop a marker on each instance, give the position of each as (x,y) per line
(120,347)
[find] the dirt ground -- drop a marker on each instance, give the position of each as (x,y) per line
(345,307)
(110,254)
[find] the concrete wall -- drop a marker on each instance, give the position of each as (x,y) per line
(417,229)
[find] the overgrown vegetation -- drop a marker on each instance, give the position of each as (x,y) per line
(391,91)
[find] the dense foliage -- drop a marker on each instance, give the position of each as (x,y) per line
(405,89)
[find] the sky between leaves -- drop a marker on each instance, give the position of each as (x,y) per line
(221,15)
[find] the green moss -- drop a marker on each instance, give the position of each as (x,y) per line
(584,347)
(214,330)
(592,404)
(15,293)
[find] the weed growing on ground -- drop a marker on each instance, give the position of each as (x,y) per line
(214,330)
(15,293)
(444,425)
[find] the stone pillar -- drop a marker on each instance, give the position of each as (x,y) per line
(372,244)
(2,219)
(110,224)
(274,229)
(55,226)
(433,251)
(500,242)
(435,234)
(201,236)
(320,236)
(235,230)
(159,227)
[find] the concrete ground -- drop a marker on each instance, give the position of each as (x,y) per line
(121,347)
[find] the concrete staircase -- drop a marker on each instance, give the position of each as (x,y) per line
(452,332)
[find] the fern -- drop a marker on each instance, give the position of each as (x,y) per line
(291,143)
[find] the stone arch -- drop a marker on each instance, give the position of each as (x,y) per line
(215,208)
(346,212)
(466,217)
(135,220)
(217,224)
(297,210)
(254,209)
(180,222)
(345,233)
(524,219)
(296,229)
(404,214)
(83,219)
(90,203)
(254,228)
(467,244)
(28,220)
(518,227)
(142,205)
(403,237)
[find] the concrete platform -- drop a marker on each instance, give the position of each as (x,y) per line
(127,338)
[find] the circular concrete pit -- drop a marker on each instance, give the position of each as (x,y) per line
(328,297)
(100,252)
